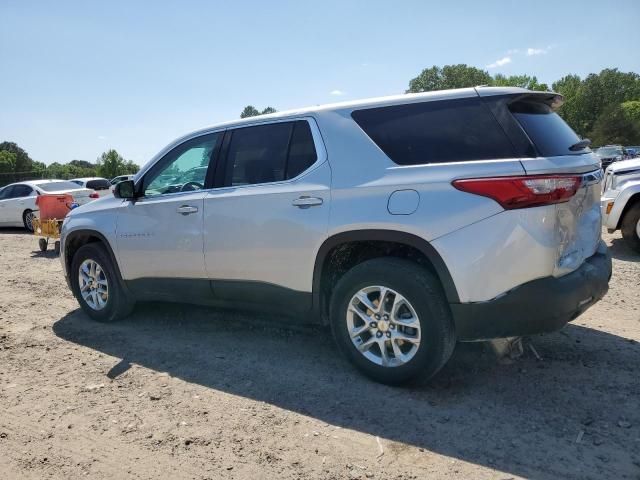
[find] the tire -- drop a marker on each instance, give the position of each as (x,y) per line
(27,217)
(117,304)
(42,243)
(56,247)
(631,227)
(425,300)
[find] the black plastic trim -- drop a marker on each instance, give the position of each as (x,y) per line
(539,306)
(387,236)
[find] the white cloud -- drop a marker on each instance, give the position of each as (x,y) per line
(101,137)
(536,51)
(336,92)
(500,62)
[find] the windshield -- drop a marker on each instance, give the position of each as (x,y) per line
(57,186)
(608,151)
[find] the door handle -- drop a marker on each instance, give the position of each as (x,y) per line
(306,202)
(187,209)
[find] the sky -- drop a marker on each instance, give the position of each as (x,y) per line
(80,77)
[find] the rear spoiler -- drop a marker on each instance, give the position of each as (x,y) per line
(552,99)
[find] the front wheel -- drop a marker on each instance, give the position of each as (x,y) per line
(631,227)
(390,318)
(97,285)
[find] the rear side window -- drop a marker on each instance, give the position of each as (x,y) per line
(548,132)
(100,184)
(435,132)
(269,153)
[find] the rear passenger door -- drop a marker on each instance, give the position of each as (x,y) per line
(269,214)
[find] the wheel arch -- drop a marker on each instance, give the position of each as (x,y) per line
(633,199)
(409,242)
(77,238)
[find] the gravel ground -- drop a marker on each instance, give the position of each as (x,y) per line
(182,392)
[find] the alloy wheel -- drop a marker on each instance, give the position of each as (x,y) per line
(383,326)
(94,286)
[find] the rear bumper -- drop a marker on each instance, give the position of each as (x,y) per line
(539,306)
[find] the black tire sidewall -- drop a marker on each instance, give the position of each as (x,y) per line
(24,220)
(629,225)
(424,293)
(97,253)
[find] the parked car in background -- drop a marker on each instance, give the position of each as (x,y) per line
(621,200)
(120,178)
(633,151)
(18,200)
(610,153)
(100,185)
(407,223)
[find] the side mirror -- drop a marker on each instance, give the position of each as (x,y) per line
(125,190)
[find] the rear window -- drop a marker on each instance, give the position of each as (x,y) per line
(435,132)
(56,186)
(548,132)
(99,184)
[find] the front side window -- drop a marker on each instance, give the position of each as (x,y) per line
(183,169)
(20,191)
(435,132)
(269,153)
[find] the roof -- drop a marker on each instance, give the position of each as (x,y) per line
(375,102)
(86,179)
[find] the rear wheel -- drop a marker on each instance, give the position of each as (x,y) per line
(97,285)
(631,227)
(27,219)
(390,318)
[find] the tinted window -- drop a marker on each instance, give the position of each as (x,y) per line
(302,151)
(77,182)
(5,192)
(184,168)
(99,184)
(548,132)
(57,186)
(21,191)
(269,153)
(435,132)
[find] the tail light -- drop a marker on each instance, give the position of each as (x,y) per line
(94,195)
(523,191)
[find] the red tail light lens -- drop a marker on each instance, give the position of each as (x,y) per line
(523,192)
(94,195)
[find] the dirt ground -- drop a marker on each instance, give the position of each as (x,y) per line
(183,392)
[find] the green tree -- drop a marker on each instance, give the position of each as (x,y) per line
(111,164)
(631,110)
(23,162)
(613,126)
(7,161)
(251,111)
(523,81)
(449,76)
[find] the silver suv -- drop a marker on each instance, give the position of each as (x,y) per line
(406,223)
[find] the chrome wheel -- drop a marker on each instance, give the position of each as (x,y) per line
(94,286)
(28,221)
(383,326)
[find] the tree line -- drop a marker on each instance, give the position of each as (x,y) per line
(16,165)
(604,107)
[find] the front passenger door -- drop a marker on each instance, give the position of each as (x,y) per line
(159,235)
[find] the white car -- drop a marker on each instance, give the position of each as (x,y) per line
(621,200)
(18,200)
(102,186)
